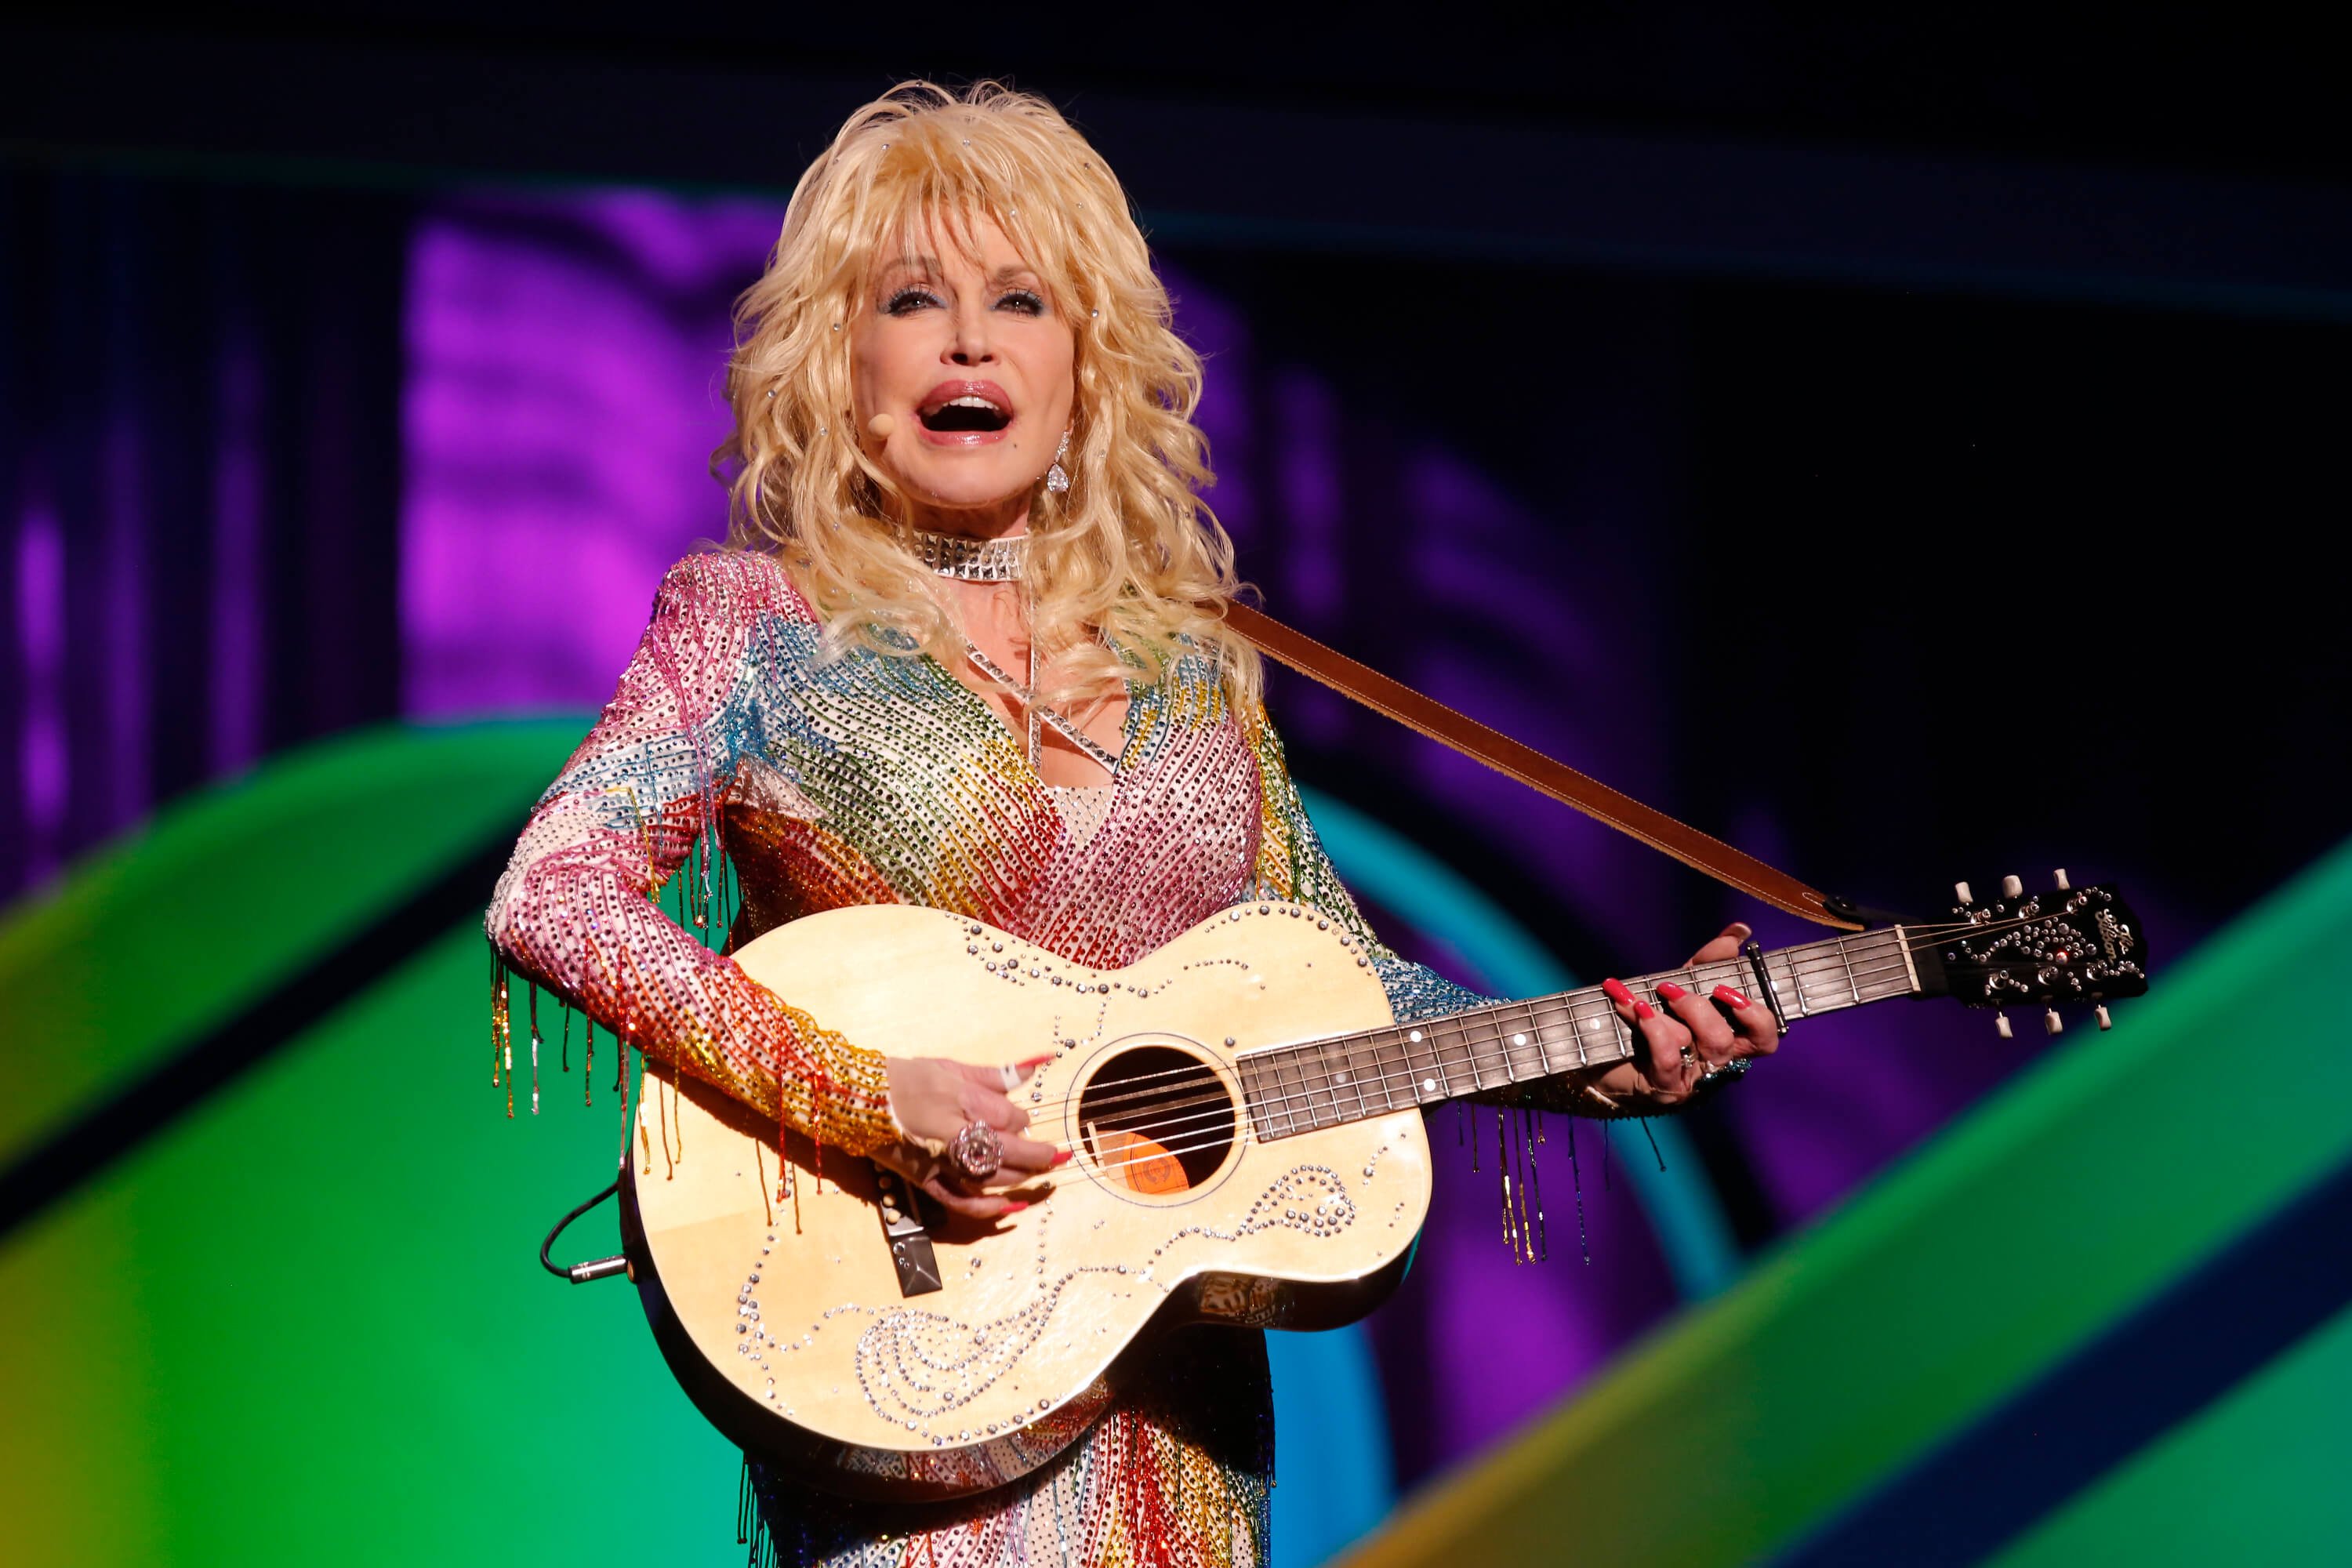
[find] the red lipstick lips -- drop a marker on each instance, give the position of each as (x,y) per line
(964,414)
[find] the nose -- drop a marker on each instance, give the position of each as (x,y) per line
(972,344)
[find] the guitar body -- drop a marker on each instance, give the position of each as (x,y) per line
(790,1322)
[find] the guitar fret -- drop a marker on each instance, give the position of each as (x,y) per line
(1431,1083)
(1455,1063)
(1480,1071)
(1293,1095)
(1524,1055)
(1275,1110)
(1851,984)
(1397,1075)
(1322,1094)
(1371,1071)
(1322,1083)
(1795,990)
(1596,1023)
(1364,1065)
(1351,1078)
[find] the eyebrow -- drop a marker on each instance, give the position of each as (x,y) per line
(1001,275)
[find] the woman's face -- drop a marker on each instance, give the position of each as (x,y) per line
(967,350)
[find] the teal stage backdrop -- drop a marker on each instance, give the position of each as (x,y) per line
(301,1320)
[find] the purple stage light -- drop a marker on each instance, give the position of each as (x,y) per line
(567,385)
(40,620)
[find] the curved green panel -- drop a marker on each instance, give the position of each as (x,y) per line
(2259,1478)
(306,1322)
(308,1325)
(165,933)
(1961,1277)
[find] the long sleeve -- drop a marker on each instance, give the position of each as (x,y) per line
(577,908)
(1291,864)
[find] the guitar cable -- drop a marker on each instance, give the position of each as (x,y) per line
(595,1269)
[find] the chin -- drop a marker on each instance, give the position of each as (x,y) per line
(966,490)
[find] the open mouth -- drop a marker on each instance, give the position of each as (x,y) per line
(965,410)
(965,413)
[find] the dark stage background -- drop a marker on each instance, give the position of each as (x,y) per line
(1910,450)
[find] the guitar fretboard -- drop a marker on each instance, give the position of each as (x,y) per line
(1300,1087)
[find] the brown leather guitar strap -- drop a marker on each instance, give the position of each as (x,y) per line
(1532,768)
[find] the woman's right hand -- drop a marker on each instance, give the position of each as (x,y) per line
(933,1099)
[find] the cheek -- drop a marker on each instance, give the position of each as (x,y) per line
(882,363)
(1053,372)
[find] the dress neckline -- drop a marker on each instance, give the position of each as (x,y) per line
(1129,728)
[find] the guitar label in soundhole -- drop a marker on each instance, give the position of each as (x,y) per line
(1156,1121)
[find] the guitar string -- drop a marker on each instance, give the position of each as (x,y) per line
(1254,1131)
(1239,1134)
(1570,1007)
(1386,1076)
(1815,959)
(1801,974)
(1830,954)
(1383,1082)
(1452,1050)
(1623,1049)
(1580,1006)
(1801,963)
(1727,969)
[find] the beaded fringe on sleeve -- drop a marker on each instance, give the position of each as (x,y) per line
(577,908)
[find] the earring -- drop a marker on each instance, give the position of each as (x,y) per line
(1057,478)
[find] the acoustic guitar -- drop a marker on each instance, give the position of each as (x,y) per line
(1245,1120)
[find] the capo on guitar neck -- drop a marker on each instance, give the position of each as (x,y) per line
(1754,953)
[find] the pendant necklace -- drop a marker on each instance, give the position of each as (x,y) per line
(1005,559)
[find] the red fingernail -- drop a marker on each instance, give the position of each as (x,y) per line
(1014,1209)
(1064,1156)
(1644,1010)
(1671,992)
(1744,929)
(1726,994)
(1617,992)
(1035,1061)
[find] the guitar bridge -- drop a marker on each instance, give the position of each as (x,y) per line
(909,1237)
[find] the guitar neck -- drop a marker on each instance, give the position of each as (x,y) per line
(1313,1084)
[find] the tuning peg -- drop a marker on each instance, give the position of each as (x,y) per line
(2001,1025)
(2052,1023)
(2105,1022)
(2011,888)
(1960,891)
(2064,885)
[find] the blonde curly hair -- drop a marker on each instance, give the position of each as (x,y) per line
(1130,550)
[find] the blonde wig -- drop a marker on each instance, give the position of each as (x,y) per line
(1130,551)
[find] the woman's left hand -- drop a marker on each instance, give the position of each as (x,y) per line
(1683,1037)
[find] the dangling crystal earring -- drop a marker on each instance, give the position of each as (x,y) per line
(1057,478)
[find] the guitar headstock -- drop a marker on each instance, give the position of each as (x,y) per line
(2069,944)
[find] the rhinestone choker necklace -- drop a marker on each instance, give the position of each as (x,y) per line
(973,560)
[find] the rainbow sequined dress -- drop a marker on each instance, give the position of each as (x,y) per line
(870,778)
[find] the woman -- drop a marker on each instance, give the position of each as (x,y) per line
(963,649)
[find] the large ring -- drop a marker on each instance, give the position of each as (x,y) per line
(1691,1058)
(976,1152)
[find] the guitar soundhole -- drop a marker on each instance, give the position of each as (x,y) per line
(1156,1120)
